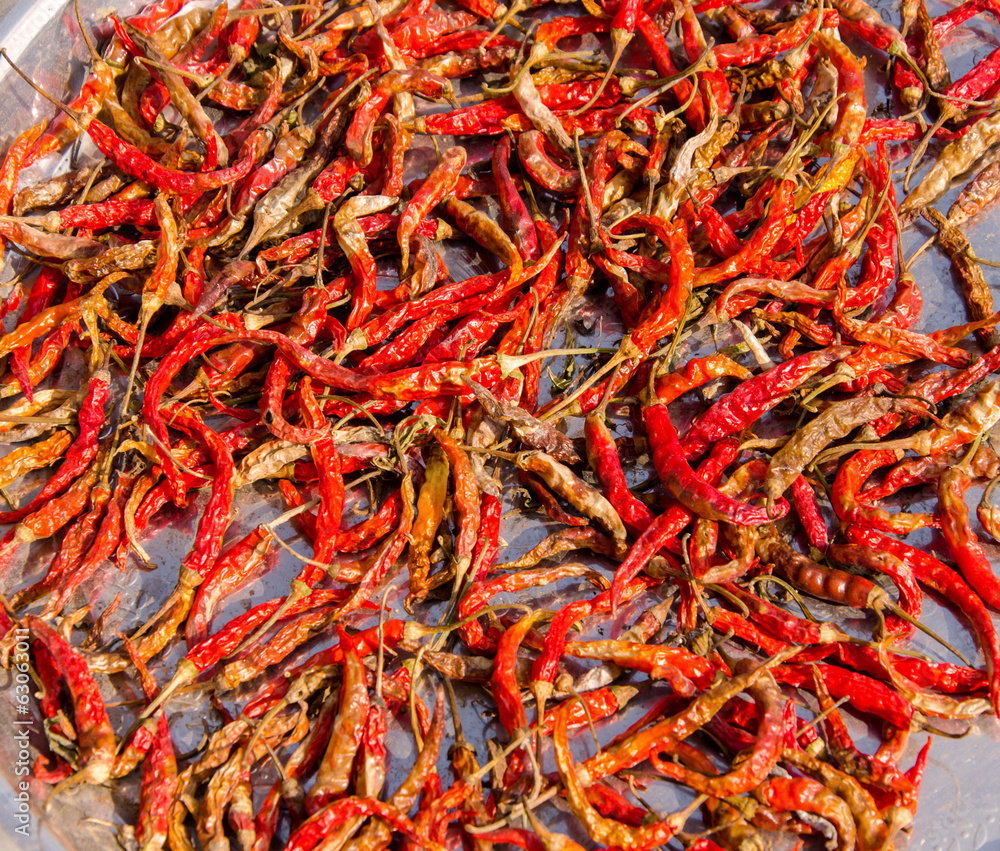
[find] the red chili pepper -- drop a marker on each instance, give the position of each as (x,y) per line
(238,564)
(105,540)
(962,541)
(331,484)
(544,669)
(682,483)
(334,772)
(517,219)
(755,397)
(684,91)
(602,454)
(80,453)
(480,592)
(95,739)
(786,794)
(359,133)
(304,328)
(439,184)
(807,508)
(865,694)
(159,782)
(851,478)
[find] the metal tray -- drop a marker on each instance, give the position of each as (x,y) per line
(960,801)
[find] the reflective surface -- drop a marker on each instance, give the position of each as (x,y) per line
(960,802)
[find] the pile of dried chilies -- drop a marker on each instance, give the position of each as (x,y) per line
(255,274)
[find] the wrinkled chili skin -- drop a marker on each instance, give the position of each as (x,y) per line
(95,737)
(756,396)
(685,486)
(430,513)
(295,303)
(602,455)
(962,540)
(333,776)
(159,781)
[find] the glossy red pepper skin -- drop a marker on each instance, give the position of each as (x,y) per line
(945,581)
(94,735)
(682,483)
(755,397)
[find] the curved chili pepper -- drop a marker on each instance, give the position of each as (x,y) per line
(755,397)
(599,828)
(602,454)
(439,184)
(242,561)
(574,490)
(334,773)
(94,736)
(767,749)
(159,781)
(682,483)
(784,794)
(962,541)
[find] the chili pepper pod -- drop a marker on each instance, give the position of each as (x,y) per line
(872,830)
(133,161)
(274,691)
(682,669)
(579,494)
(359,133)
(767,750)
(849,481)
(352,241)
(13,162)
(74,546)
(545,667)
(866,695)
(602,455)
(378,833)
(94,737)
(334,771)
(517,219)
(682,483)
(105,540)
(531,431)
(430,513)
(787,794)
(806,506)
(961,538)
(636,746)
(159,780)
(439,184)
(506,692)
(242,561)
(311,831)
(466,501)
(305,327)
(833,424)
(599,828)
(481,591)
